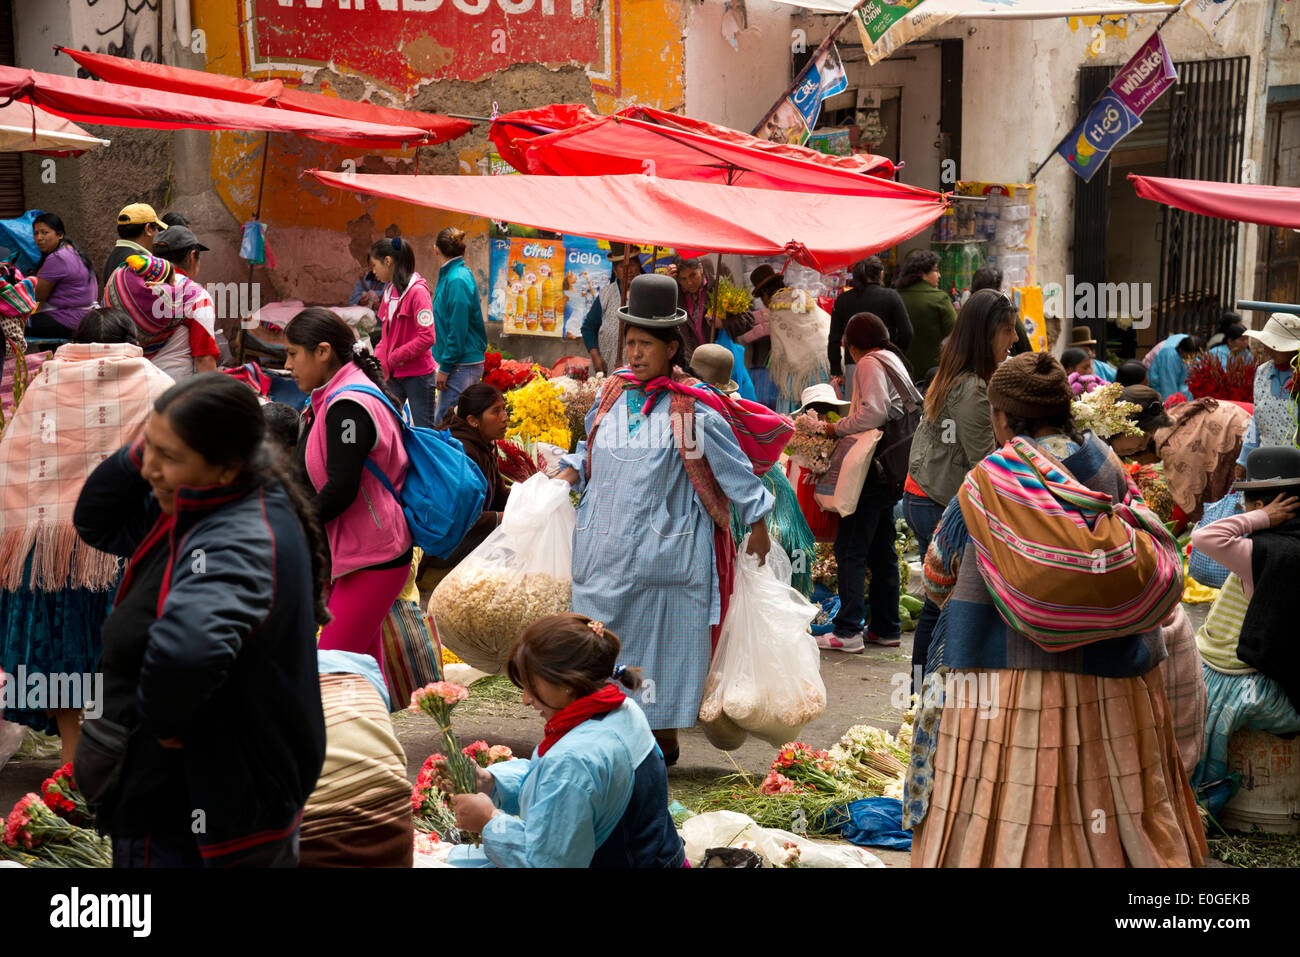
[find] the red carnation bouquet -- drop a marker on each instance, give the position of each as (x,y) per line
(61,795)
(507,374)
(37,837)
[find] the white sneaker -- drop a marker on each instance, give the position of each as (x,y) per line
(853,645)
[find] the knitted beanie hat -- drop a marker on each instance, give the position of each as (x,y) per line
(1031,385)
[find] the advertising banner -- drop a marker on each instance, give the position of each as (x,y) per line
(1088,145)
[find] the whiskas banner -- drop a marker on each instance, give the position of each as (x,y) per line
(1138,84)
(1146,75)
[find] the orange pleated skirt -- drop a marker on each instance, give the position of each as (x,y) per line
(1052,769)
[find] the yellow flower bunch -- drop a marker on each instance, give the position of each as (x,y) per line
(732,300)
(536,413)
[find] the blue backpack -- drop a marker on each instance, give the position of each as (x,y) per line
(444,490)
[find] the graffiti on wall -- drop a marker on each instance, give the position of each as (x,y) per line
(127,28)
(403,43)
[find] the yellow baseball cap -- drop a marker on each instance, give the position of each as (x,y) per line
(138,213)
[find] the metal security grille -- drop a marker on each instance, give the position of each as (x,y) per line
(1198,259)
(1198,254)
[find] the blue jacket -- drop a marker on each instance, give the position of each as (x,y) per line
(564,809)
(461,337)
(229,665)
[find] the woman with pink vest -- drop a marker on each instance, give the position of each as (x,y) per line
(406,317)
(370,543)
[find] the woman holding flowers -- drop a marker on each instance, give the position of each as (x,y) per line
(1048,739)
(595,792)
(212,735)
(653,552)
(864,541)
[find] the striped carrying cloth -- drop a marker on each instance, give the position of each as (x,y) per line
(1064,565)
(359,815)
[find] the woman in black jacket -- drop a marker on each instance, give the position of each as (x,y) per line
(211,737)
(866,295)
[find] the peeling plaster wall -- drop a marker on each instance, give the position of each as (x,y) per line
(736,87)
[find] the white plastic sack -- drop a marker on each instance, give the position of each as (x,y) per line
(733,829)
(766,673)
(521,572)
(840,486)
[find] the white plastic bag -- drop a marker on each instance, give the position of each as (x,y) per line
(521,572)
(766,674)
(733,829)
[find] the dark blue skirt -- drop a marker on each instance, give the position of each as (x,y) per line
(50,632)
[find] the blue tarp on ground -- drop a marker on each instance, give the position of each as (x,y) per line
(873,822)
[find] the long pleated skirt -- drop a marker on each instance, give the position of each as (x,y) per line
(1052,769)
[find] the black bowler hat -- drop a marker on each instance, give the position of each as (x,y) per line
(1276,466)
(652,302)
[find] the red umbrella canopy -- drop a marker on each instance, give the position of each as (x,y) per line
(271,93)
(819,230)
(1266,205)
(89,101)
(570,140)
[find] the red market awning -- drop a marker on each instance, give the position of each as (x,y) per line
(570,140)
(821,231)
(1266,205)
(90,101)
(271,93)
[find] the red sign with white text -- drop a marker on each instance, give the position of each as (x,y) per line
(400,43)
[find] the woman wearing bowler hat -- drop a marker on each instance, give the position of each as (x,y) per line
(652,550)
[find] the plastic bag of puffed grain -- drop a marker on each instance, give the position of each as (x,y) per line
(521,572)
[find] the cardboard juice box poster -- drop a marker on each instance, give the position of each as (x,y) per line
(534,301)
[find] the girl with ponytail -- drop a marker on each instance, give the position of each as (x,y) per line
(406,316)
(344,433)
(595,792)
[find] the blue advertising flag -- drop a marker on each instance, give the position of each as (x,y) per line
(1088,145)
(807,97)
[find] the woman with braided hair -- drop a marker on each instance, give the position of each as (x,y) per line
(347,432)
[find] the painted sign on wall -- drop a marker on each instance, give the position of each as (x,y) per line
(401,43)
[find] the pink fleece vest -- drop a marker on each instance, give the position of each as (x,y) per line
(373,529)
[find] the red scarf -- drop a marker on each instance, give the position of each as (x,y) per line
(569,717)
(761,433)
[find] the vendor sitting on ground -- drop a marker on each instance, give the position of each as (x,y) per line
(1248,649)
(595,793)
